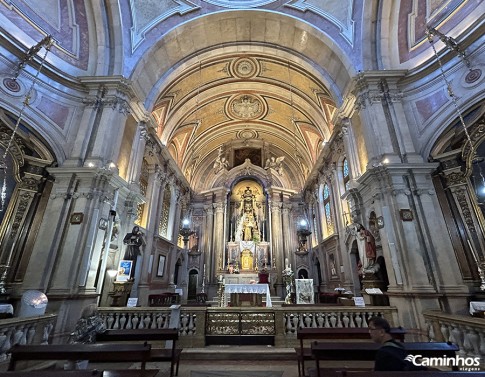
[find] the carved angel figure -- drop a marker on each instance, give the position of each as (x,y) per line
(221,162)
(275,163)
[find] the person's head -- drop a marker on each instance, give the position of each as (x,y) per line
(136,229)
(379,329)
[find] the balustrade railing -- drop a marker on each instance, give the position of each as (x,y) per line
(29,330)
(287,320)
(466,332)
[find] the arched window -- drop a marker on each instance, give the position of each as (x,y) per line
(327,209)
(164,216)
(345,174)
(143,190)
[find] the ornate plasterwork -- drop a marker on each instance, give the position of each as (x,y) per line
(246,107)
(240,4)
(245,68)
(148,13)
(338,12)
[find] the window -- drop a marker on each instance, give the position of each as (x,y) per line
(345,174)
(327,209)
(164,216)
(143,190)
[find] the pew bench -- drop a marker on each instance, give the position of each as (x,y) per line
(365,351)
(335,333)
(418,373)
(171,354)
(91,352)
(82,373)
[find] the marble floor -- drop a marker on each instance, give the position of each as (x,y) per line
(233,361)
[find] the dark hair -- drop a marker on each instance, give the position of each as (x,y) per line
(380,323)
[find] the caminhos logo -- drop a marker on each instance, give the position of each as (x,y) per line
(463,363)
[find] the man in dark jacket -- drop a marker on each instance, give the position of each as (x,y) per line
(391,355)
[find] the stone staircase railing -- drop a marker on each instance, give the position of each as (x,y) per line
(465,331)
(29,330)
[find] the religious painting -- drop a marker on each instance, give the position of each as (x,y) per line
(304,291)
(161,265)
(254,154)
(124,270)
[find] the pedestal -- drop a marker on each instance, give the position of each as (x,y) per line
(369,282)
(120,293)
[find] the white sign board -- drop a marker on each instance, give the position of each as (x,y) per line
(359,301)
(132,302)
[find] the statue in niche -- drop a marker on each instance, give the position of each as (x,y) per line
(249,221)
(248,226)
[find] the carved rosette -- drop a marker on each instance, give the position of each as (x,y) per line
(245,68)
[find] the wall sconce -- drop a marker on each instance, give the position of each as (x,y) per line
(186,232)
(303,232)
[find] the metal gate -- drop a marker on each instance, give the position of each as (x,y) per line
(239,328)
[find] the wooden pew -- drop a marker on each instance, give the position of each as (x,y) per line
(156,354)
(428,373)
(91,352)
(82,373)
(352,333)
(367,351)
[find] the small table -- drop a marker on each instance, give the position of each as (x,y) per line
(477,307)
(6,311)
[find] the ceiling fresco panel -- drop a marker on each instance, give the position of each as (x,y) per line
(148,13)
(339,12)
(66,21)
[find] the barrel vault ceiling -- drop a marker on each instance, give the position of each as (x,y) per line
(224,104)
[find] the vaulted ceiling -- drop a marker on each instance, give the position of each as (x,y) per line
(244,100)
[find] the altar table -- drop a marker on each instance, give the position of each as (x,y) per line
(261,289)
(477,307)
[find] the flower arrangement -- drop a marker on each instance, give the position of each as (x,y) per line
(287,273)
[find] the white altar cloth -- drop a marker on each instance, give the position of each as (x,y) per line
(477,306)
(261,289)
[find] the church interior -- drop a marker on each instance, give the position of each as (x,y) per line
(203,156)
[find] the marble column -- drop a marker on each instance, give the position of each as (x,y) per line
(206,244)
(218,236)
(152,217)
(277,241)
(137,153)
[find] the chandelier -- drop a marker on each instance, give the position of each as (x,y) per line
(47,43)
(475,159)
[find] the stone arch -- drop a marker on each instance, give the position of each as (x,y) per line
(166,56)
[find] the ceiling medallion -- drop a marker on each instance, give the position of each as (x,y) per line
(11,86)
(244,68)
(246,106)
(473,75)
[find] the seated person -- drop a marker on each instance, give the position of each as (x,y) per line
(391,355)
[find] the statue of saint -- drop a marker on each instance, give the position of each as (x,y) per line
(134,242)
(248,226)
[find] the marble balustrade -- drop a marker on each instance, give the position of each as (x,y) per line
(28,330)
(287,319)
(465,331)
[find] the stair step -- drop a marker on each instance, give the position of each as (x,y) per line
(217,352)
